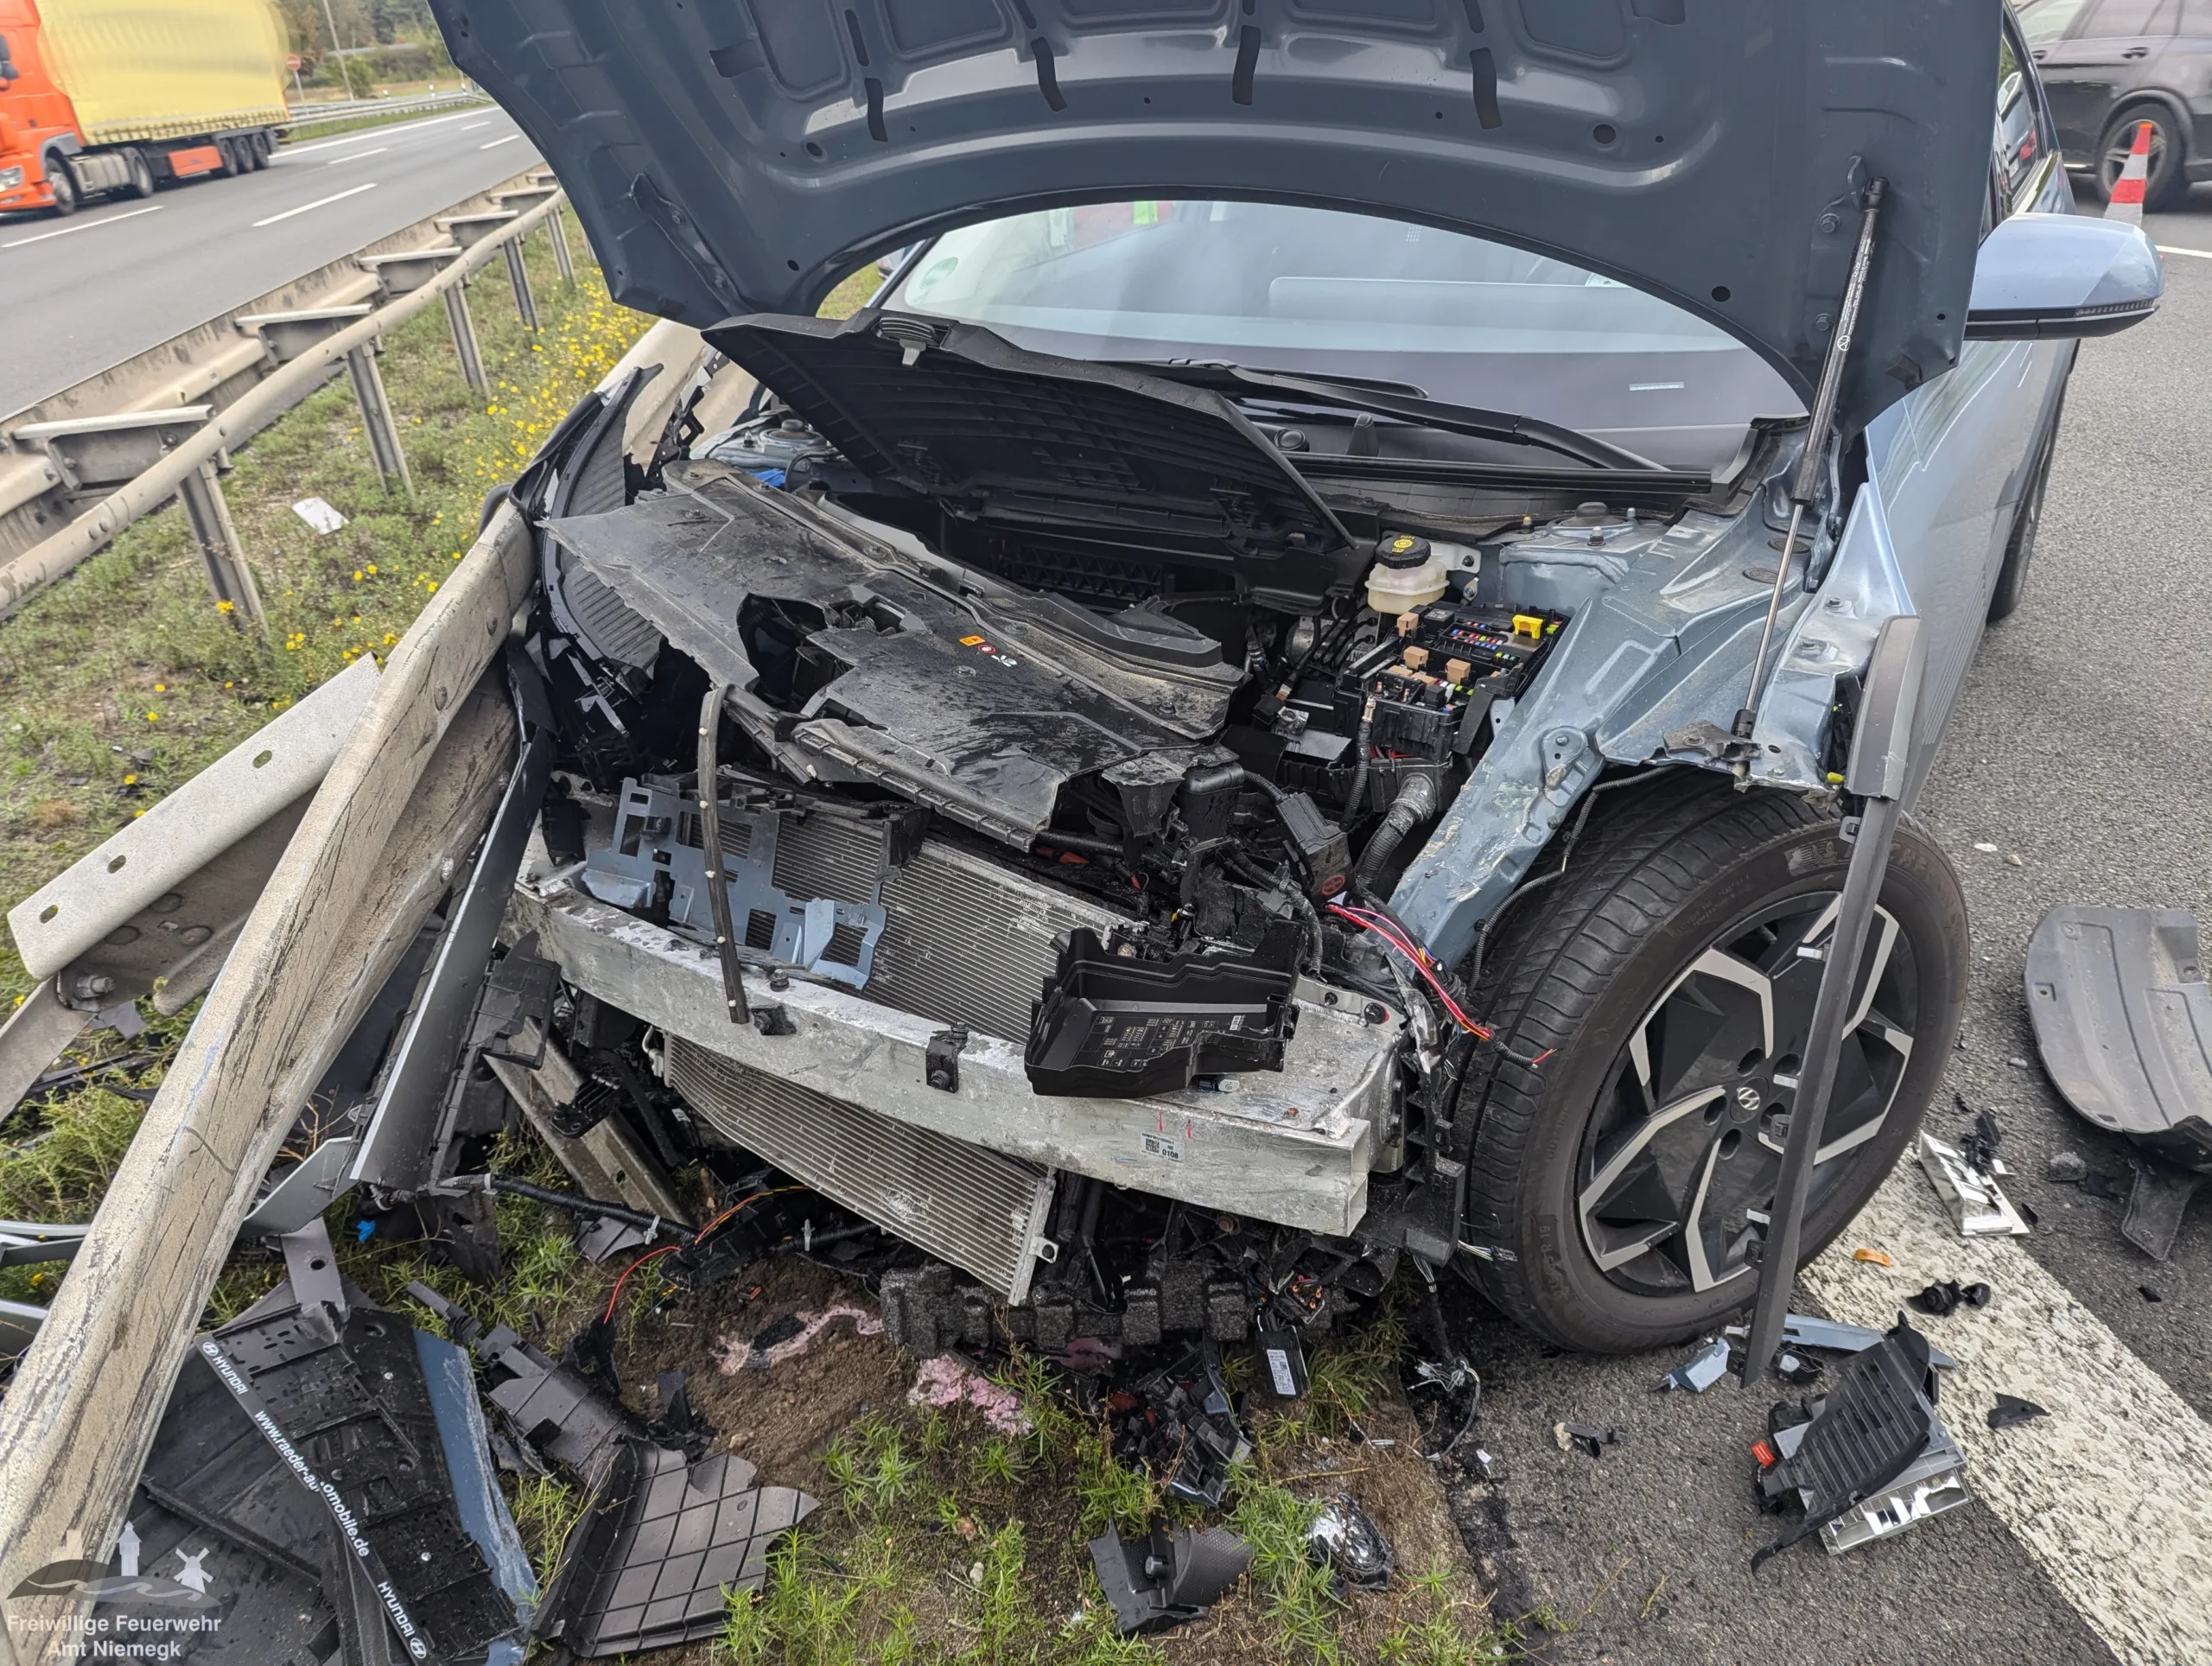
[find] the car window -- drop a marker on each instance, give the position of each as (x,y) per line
(2047,21)
(1271,286)
(2112,19)
(2019,138)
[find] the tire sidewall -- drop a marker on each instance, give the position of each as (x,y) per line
(2170,160)
(68,199)
(1577,1304)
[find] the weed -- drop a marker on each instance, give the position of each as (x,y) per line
(544,1509)
(997,1463)
(1004,1618)
(1275,1523)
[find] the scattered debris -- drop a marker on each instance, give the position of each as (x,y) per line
(334,1462)
(948,1380)
(2067,1168)
(319,515)
(1985,847)
(1945,1298)
(1345,1540)
(2099,1184)
(1804,1331)
(1591,1438)
(664,1536)
(1700,1371)
(2011,1410)
(787,1338)
(2013,860)
(2018,1063)
(1178,1422)
(1869,1459)
(1158,1582)
(1977,1203)
(1796,1369)
(1878,1257)
(2157,1204)
(2150,1294)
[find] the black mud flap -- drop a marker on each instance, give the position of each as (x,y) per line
(2123,1018)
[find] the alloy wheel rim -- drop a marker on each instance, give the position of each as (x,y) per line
(2116,153)
(1680,1158)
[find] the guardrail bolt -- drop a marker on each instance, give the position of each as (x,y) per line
(376,419)
(526,305)
(228,576)
(464,337)
(562,261)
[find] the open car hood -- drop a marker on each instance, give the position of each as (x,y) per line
(742,157)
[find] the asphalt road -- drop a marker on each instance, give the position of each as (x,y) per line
(2083,746)
(79,295)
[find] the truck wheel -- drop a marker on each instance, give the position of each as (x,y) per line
(68,199)
(1610,1187)
(142,173)
(260,147)
(232,165)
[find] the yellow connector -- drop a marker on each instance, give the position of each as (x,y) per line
(1529,625)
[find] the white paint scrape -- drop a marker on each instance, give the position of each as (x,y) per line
(2112,1493)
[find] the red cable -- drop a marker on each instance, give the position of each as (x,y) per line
(697,1238)
(1368,920)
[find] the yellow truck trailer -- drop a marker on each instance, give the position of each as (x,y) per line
(120,95)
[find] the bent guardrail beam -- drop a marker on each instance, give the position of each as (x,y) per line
(405,800)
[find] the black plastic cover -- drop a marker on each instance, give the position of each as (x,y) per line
(1111,1027)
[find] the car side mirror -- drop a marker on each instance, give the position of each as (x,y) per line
(2045,276)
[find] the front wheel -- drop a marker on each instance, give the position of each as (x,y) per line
(142,173)
(1671,975)
(66,197)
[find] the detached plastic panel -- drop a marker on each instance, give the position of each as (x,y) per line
(2123,1018)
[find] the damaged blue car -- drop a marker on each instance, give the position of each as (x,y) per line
(1279,700)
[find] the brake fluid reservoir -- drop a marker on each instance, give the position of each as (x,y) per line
(1408,574)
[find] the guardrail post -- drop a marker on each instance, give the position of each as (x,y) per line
(464,337)
(228,577)
(559,233)
(526,305)
(376,416)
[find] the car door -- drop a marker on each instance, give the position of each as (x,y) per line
(2092,55)
(2186,68)
(1952,459)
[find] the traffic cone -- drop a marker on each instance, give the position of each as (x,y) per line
(2126,202)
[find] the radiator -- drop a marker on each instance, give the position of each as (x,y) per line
(981,1210)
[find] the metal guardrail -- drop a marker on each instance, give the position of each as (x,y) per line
(144,459)
(343,109)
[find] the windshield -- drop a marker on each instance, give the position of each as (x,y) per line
(1323,293)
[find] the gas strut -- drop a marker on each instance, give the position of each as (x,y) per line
(1806,479)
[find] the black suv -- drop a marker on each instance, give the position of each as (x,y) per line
(2109,64)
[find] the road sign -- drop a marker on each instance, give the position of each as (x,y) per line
(292,62)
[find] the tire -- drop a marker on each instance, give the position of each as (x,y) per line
(2168,181)
(1564,1165)
(234,164)
(256,150)
(2027,521)
(142,174)
(67,198)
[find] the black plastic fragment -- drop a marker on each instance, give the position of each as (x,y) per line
(2098,1183)
(2157,1204)
(1874,1423)
(2150,1294)
(2011,1410)
(1158,1582)
(1947,1297)
(1282,1362)
(1590,1438)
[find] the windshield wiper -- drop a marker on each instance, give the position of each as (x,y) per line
(1428,413)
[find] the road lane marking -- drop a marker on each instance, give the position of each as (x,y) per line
(88,226)
(2110,1494)
(339,161)
(495,143)
(473,126)
(2168,249)
(390,131)
(320,202)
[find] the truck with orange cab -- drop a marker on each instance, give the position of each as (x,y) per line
(100,96)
